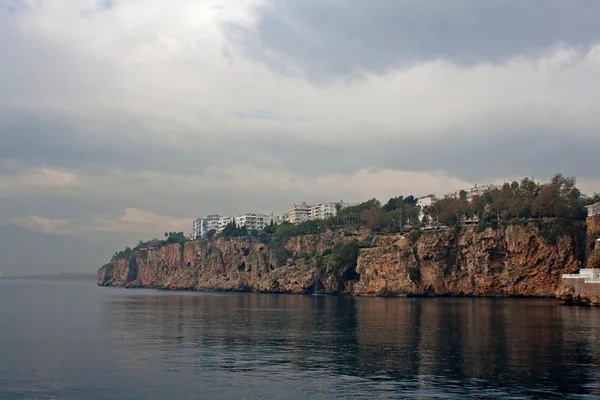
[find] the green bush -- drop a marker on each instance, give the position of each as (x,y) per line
(123,254)
(482,226)
(345,254)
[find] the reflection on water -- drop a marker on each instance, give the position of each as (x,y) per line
(117,343)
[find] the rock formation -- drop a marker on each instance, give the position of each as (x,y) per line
(511,261)
(577,291)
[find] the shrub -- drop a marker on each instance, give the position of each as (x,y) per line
(346,254)
(281,253)
(413,236)
(483,226)
(326,252)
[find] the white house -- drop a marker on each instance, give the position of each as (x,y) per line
(593,209)
(591,275)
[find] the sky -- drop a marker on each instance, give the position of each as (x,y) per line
(123,119)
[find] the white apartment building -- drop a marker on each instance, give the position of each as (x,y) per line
(306,212)
(299,213)
(202,225)
(425,201)
(322,210)
(221,223)
(254,222)
(258,221)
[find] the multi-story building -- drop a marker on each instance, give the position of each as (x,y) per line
(201,226)
(254,222)
(425,201)
(299,213)
(258,221)
(222,223)
(322,210)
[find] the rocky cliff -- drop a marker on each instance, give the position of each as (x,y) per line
(577,291)
(518,260)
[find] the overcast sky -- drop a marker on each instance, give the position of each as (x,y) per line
(122,119)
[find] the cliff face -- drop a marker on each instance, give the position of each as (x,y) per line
(577,291)
(593,225)
(512,261)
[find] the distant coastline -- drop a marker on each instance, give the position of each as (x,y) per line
(61,276)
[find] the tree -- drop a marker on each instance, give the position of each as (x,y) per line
(410,200)
(338,207)
(210,235)
(271,228)
(375,220)
(559,198)
(175,237)
(393,204)
(231,230)
(478,207)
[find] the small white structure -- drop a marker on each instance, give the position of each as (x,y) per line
(593,209)
(591,275)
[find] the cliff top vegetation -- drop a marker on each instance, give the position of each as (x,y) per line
(518,200)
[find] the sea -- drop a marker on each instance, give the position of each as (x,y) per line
(74,340)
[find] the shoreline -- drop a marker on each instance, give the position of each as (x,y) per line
(408,296)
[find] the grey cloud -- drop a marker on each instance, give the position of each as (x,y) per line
(498,148)
(34,139)
(342,39)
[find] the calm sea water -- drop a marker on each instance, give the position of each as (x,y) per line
(78,341)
